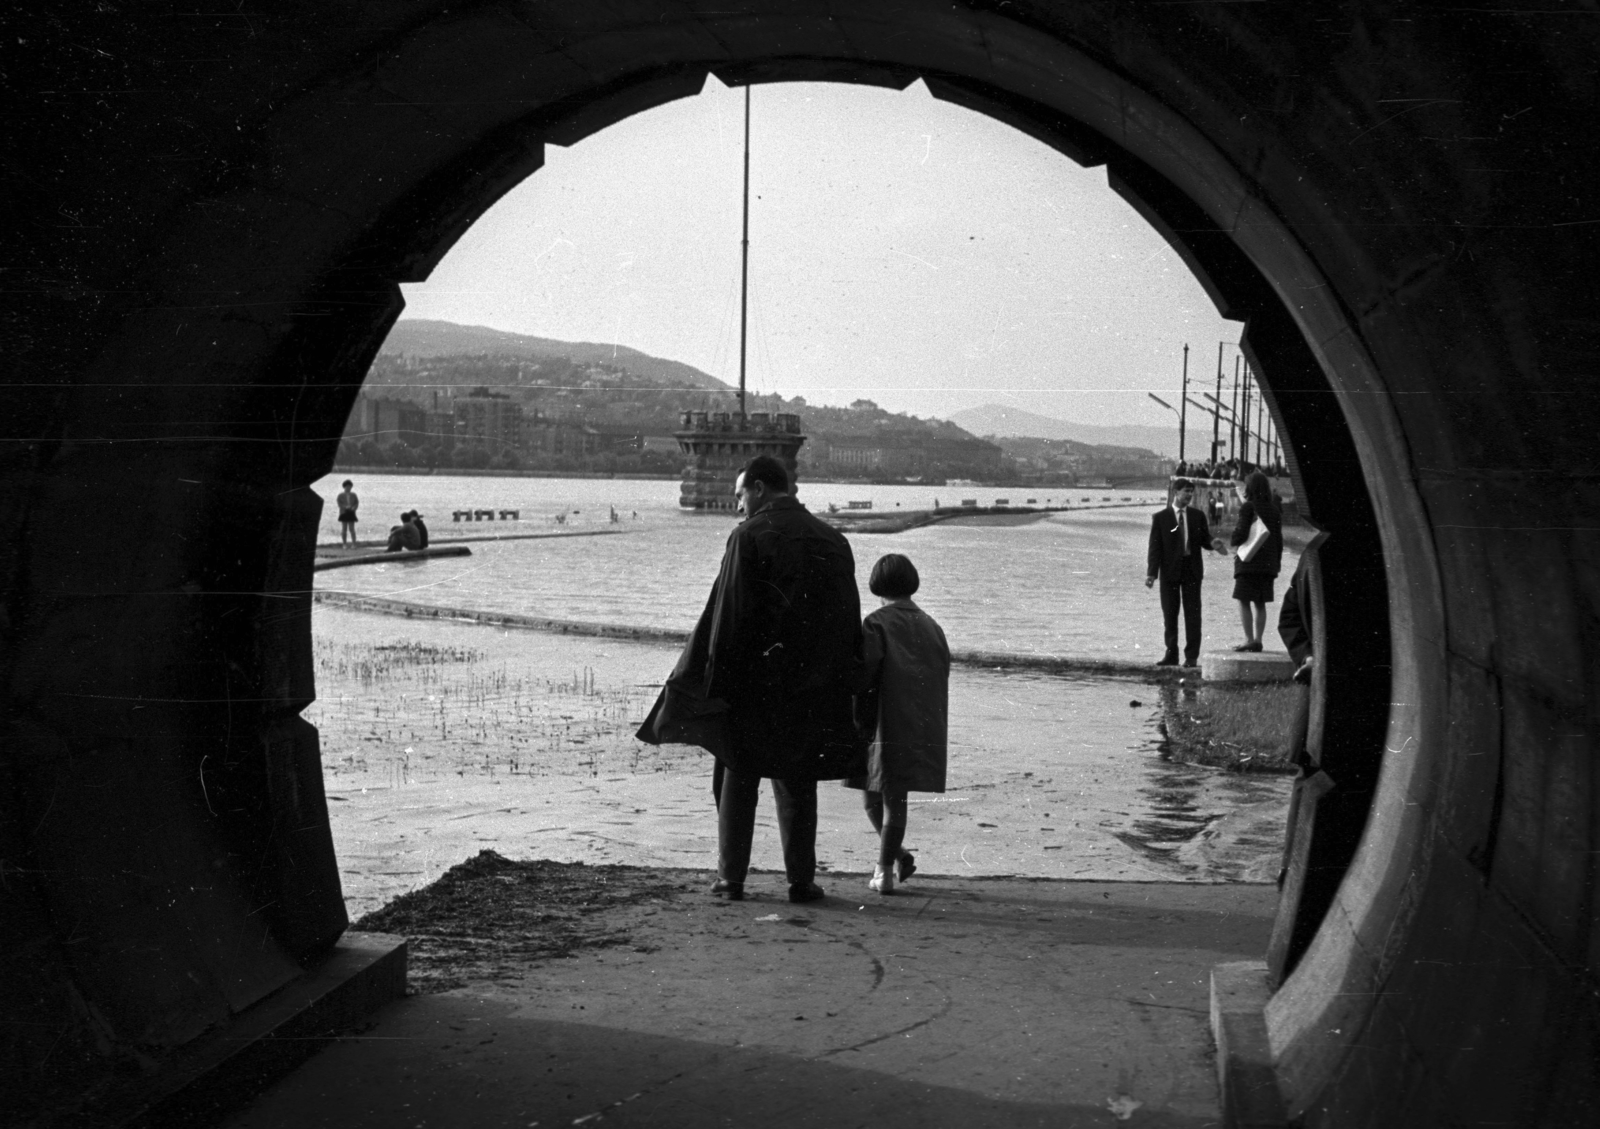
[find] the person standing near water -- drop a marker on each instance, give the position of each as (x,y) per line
(1259,556)
(1178,534)
(765,682)
(348,504)
(905,711)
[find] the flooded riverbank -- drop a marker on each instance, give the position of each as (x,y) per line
(440,739)
(1069,586)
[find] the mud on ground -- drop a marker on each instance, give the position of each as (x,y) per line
(491,919)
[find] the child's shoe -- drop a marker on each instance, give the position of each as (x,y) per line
(882,880)
(905,866)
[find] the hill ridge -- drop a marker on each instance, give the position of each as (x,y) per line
(1004,422)
(432,337)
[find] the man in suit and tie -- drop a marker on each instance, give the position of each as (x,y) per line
(1178,535)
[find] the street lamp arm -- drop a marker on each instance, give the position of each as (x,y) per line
(1213,411)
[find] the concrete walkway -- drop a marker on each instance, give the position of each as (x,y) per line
(957,1002)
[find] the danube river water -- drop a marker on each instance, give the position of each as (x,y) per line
(1070,585)
(440,738)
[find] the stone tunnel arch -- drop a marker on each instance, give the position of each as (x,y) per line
(194,372)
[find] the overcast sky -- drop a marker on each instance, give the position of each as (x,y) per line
(902,249)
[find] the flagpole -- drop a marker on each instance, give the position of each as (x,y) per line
(1216,420)
(744,258)
(1183,402)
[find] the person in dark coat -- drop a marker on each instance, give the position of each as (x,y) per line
(765,682)
(421,528)
(903,709)
(1252,578)
(1178,535)
(403,536)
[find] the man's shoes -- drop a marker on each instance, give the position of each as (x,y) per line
(1249,648)
(882,880)
(905,866)
(1170,660)
(806,892)
(733,891)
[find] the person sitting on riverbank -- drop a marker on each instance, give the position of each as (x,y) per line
(422,529)
(1259,557)
(348,505)
(903,711)
(404,535)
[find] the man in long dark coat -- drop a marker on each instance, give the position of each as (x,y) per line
(765,681)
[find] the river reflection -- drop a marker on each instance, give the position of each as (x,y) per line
(1069,776)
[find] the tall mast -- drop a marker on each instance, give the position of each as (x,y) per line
(744,256)
(1183,402)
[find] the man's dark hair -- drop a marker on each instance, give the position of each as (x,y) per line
(1181,484)
(768,470)
(894,577)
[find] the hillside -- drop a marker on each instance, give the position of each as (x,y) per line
(421,337)
(1004,422)
(591,405)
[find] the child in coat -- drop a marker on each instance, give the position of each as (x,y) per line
(904,708)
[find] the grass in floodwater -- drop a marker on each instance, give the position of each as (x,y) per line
(398,714)
(1241,728)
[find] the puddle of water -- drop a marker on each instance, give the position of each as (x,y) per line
(1102,755)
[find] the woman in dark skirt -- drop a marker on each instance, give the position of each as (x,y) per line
(1252,579)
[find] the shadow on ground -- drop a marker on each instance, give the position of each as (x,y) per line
(993,1002)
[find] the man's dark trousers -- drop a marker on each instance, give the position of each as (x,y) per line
(1186,591)
(736,826)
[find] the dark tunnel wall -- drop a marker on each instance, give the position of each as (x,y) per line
(209,217)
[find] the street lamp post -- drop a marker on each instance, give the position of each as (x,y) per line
(1233,411)
(1216,420)
(1244,417)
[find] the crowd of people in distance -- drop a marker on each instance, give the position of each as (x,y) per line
(1227,468)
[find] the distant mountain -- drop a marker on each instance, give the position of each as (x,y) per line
(1003,422)
(424,337)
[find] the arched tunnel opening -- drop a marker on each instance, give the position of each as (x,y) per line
(1045,584)
(194,337)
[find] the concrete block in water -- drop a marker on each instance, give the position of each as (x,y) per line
(1235,666)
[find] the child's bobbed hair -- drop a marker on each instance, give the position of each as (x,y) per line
(894,577)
